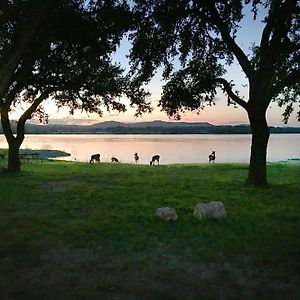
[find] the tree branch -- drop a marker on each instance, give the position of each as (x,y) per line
(269,25)
(231,94)
(231,44)
(28,113)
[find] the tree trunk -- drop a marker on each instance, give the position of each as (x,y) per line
(14,163)
(257,175)
(14,143)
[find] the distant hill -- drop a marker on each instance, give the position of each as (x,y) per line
(151,124)
(154,127)
(107,124)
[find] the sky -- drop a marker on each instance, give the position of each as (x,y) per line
(218,114)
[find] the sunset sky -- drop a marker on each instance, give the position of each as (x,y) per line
(248,34)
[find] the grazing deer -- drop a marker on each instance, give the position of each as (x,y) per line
(95,158)
(136,158)
(154,158)
(212,157)
(114,159)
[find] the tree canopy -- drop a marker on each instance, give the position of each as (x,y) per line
(202,36)
(62,50)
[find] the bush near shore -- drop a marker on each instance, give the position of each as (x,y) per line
(89,231)
(36,154)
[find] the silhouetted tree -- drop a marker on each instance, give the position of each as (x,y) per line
(201,34)
(61,50)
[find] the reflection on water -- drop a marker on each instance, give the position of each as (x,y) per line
(172,148)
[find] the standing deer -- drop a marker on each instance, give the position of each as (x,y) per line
(154,158)
(136,158)
(114,159)
(212,157)
(95,158)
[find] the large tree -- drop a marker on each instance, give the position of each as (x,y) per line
(202,35)
(61,50)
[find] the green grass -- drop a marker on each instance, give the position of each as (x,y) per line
(89,231)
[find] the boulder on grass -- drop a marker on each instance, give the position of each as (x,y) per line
(167,213)
(211,210)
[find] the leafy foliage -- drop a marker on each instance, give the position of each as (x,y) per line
(199,36)
(62,50)
(67,55)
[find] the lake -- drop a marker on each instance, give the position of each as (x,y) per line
(182,149)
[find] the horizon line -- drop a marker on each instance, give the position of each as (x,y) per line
(234,123)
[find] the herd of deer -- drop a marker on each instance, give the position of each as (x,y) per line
(155,158)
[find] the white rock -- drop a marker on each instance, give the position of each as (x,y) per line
(166,213)
(211,210)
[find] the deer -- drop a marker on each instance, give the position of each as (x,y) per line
(114,159)
(154,158)
(212,157)
(136,158)
(95,158)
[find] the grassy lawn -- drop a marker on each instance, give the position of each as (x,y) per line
(81,231)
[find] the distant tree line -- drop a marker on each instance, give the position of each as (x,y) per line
(222,129)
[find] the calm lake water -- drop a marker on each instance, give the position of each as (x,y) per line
(181,149)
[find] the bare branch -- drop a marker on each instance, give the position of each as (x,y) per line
(231,94)
(232,45)
(28,113)
(269,25)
